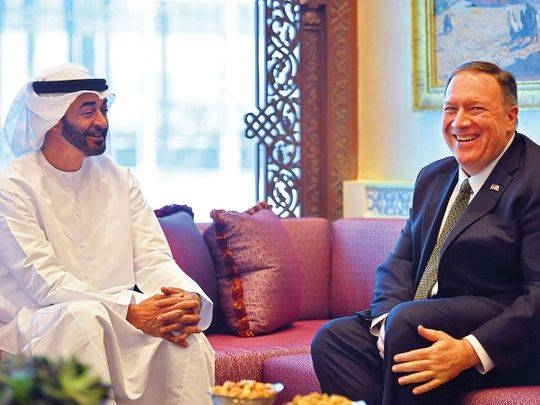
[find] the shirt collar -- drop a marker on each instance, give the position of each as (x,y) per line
(477,181)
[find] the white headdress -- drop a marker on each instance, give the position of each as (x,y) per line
(31,115)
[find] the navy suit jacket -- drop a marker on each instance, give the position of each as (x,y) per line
(493,250)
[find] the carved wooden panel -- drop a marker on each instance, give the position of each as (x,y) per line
(328,87)
(276,123)
(306,124)
(312,77)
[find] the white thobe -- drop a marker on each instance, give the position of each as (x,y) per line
(72,246)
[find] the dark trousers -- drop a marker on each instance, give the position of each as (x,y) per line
(347,361)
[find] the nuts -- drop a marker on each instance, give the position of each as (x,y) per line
(244,389)
(316,398)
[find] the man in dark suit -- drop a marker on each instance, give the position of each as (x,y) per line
(456,305)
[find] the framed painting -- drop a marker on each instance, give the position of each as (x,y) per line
(447,33)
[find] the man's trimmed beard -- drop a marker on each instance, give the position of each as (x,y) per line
(78,138)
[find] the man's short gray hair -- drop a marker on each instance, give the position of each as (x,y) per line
(506,80)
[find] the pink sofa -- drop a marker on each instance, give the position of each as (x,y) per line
(338,268)
(334,261)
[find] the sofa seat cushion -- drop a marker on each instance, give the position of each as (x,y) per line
(295,372)
(239,358)
(503,396)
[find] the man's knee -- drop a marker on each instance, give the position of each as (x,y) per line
(85,311)
(74,328)
(65,316)
(402,325)
(86,317)
(402,318)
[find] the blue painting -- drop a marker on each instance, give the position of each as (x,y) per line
(501,31)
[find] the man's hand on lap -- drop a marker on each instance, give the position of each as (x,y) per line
(436,364)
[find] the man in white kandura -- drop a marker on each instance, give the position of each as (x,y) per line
(76,237)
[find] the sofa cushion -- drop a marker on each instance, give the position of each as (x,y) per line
(191,253)
(359,245)
(295,372)
(258,270)
(238,358)
(311,236)
(503,395)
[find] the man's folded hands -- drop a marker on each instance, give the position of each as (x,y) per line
(173,315)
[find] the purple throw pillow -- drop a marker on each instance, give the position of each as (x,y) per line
(258,270)
(191,253)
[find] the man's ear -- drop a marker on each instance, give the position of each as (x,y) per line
(513,116)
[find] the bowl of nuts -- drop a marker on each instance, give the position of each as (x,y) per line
(245,392)
(316,398)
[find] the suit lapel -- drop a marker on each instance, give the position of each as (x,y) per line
(490,193)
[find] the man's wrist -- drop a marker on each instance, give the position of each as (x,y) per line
(129,312)
(486,363)
(470,358)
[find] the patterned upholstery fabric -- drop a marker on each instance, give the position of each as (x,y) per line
(503,396)
(359,245)
(258,271)
(295,372)
(238,358)
(311,236)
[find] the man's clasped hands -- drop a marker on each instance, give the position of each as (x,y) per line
(173,315)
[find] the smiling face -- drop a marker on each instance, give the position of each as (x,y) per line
(476,122)
(85,124)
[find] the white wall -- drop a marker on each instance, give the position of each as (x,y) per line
(393,141)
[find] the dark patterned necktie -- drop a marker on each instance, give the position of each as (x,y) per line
(429,277)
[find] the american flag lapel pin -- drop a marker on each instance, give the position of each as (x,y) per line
(494,187)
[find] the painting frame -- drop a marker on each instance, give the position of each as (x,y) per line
(427,93)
